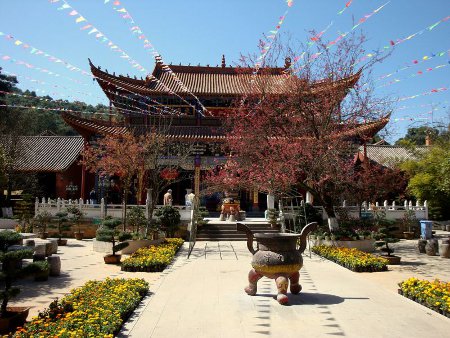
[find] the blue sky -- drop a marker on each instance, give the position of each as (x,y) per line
(200,31)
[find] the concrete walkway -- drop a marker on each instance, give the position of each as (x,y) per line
(204,297)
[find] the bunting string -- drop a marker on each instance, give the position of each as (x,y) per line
(149,47)
(340,37)
(432,91)
(157,105)
(393,43)
(415,63)
(39,52)
(39,69)
(93,31)
(314,39)
(418,73)
(347,5)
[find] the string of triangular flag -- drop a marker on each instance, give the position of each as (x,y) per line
(393,43)
(418,73)
(149,47)
(39,69)
(340,37)
(39,52)
(98,35)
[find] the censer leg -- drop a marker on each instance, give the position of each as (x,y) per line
(282,286)
(253,278)
(295,286)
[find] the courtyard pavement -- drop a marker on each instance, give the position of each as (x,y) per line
(203,296)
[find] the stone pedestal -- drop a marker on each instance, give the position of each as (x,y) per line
(55,265)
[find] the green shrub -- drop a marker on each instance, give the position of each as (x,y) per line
(169,218)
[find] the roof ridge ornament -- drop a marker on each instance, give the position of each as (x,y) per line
(223,61)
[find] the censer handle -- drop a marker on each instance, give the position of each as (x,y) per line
(242,227)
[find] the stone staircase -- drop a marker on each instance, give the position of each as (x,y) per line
(226,231)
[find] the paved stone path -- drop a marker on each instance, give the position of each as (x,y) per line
(203,296)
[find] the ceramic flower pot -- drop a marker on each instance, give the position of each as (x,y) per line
(16,316)
(79,236)
(112,259)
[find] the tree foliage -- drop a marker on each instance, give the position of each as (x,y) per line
(417,136)
(301,131)
(430,178)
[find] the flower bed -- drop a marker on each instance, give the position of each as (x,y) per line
(352,259)
(153,258)
(434,295)
(97,309)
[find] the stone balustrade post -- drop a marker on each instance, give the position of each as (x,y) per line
(58,204)
(410,205)
(385,204)
(147,208)
(80,203)
(102,208)
(344,203)
(425,206)
(36,206)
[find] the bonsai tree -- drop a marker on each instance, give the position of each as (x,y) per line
(200,215)
(409,222)
(110,233)
(12,270)
(61,218)
(384,236)
(169,218)
(76,215)
(25,209)
(42,219)
(136,220)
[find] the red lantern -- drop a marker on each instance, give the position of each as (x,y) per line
(169,174)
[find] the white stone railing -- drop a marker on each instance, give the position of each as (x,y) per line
(393,211)
(98,210)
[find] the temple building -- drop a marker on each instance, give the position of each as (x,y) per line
(196,100)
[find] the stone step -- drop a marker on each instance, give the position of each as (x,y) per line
(222,231)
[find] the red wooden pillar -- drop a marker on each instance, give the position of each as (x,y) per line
(83,173)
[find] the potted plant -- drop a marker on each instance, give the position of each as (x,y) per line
(384,237)
(61,218)
(409,222)
(169,218)
(11,256)
(76,215)
(42,219)
(136,220)
(109,233)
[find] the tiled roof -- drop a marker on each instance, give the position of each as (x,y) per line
(194,133)
(46,153)
(95,126)
(225,81)
(389,156)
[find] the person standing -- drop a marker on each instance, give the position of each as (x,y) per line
(168,197)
